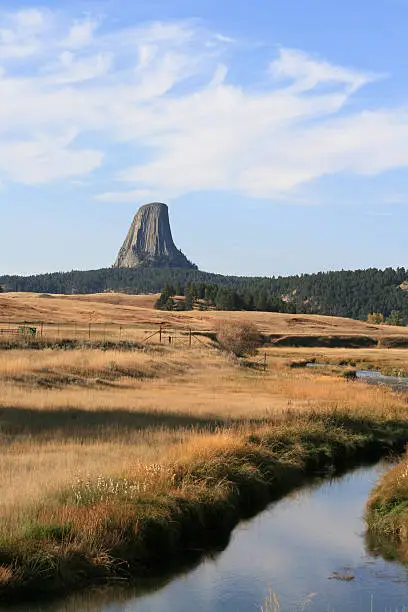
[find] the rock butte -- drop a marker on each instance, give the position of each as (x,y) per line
(149,241)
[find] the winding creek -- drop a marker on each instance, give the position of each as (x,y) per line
(310,549)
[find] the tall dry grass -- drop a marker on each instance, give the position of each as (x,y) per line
(77,414)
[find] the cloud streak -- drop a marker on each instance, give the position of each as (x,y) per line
(162,92)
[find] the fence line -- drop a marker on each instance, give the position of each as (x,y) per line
(165,334)
(115,332)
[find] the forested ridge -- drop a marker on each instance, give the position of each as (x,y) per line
(352,294)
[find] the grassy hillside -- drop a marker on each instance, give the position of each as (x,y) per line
(345,293)
(132,317)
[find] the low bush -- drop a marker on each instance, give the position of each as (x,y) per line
(238,337)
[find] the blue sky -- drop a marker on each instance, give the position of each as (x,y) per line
(277,131)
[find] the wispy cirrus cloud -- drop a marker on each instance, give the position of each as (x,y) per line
(80,33)
(69,69)
(162,90)
(307,73)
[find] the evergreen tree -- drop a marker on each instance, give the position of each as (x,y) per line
(189,299)
(395,318)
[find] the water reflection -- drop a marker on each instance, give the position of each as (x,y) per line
(372,377)
(389,548)
(299,548)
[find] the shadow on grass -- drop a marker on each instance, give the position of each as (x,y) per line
(77,423)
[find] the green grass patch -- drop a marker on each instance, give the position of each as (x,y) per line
(387,508)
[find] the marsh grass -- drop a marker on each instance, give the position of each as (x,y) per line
(271,603)
(387,508)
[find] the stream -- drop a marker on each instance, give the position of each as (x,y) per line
(372,377)
(310,549)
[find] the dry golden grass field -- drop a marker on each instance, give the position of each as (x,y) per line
(107,425)
(108,312)
(137,310)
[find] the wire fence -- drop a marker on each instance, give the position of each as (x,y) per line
(107,332)
(163,334)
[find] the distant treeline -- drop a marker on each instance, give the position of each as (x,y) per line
(144,279)
(344,293)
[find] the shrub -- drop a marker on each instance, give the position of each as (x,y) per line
(350,374)
(375,318)
(238,337)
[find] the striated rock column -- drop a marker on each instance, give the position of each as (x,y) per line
(149,241)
